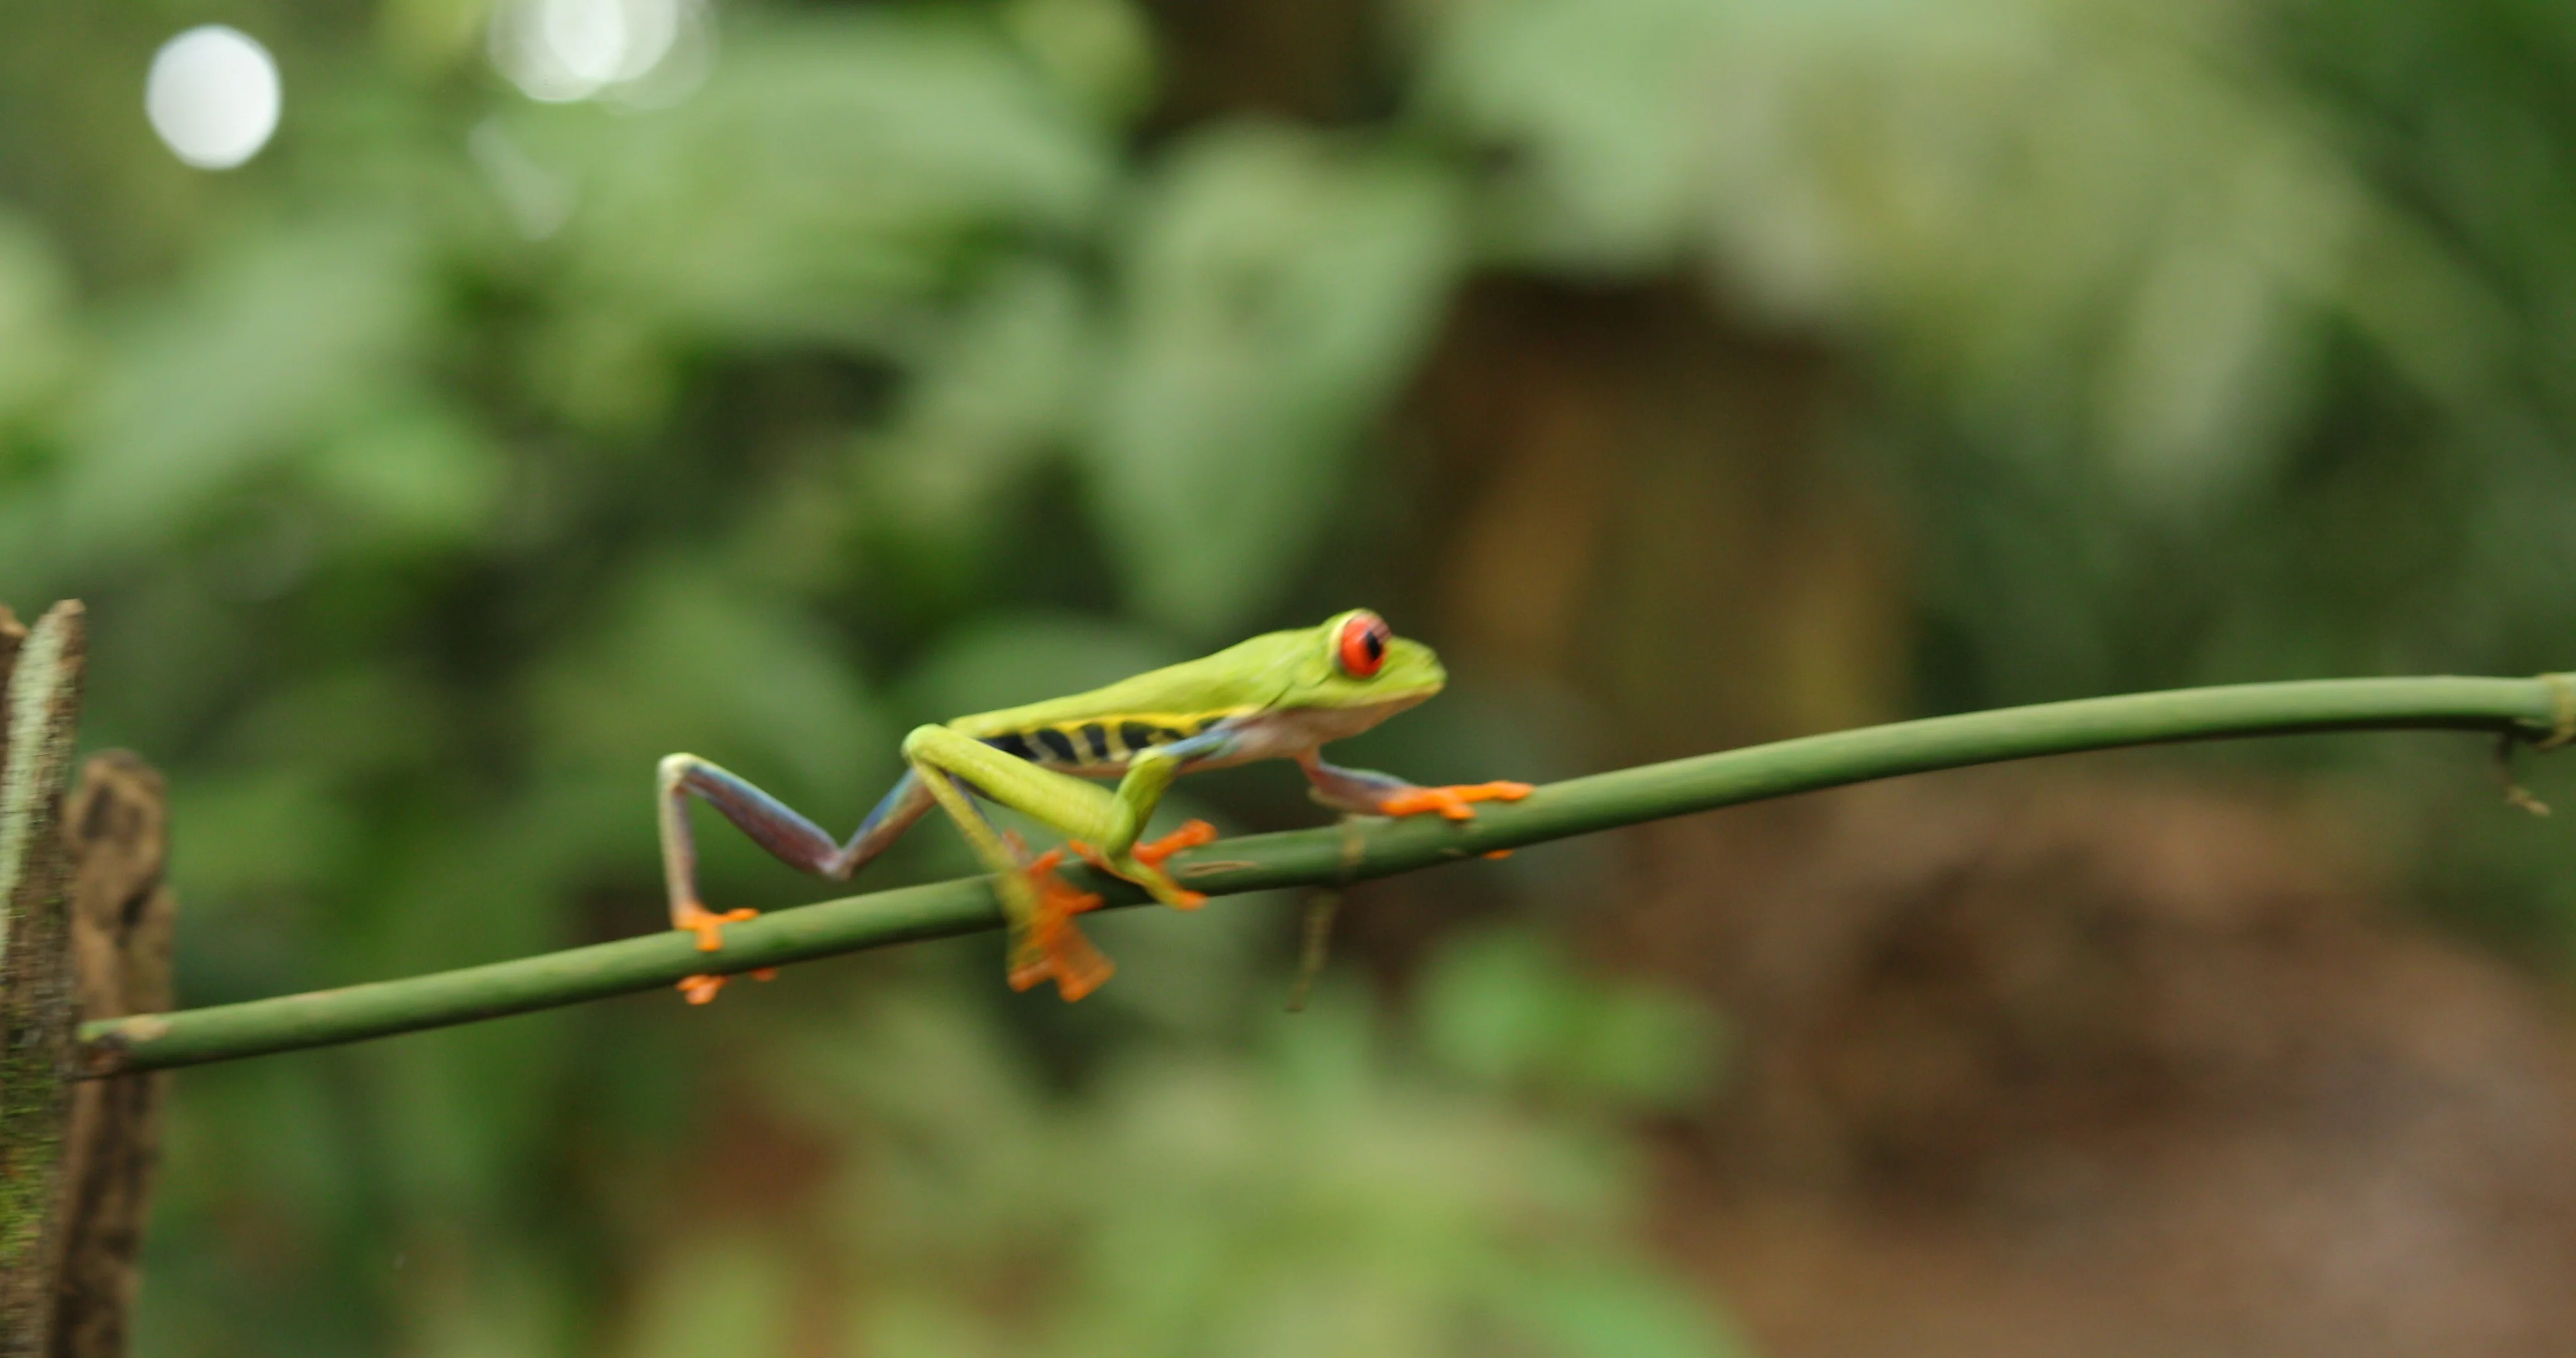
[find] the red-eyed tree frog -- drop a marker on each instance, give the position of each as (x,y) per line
(1281,695)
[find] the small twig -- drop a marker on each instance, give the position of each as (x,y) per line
(2531,707)
(2515,794)
(1316,943)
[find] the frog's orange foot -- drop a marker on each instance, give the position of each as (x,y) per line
(1052,948)
(1057,898)
(1151,856)
(1189,836)
(1067,958)
(701,989)
(708,926)
(1452,802)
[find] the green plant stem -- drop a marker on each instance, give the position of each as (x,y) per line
(2541,710)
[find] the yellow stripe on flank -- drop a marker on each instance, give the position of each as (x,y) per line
(1187,723)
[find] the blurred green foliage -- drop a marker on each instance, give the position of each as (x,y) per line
(437,472)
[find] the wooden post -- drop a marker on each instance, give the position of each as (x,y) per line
(37,993)
(117,825)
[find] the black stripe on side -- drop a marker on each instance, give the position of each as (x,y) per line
(1014,745)
(1097,737)
(1138,735)
(1058,748)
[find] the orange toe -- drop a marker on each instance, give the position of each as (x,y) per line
(1056,951)
(708,925)
(1054,948)
(1069,960)
(1452,802)
(701,989)
(1078,967)
(1055,895)
(1072,985)
(1189,836)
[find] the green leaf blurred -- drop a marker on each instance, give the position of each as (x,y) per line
(37,344)
(1275,284)
(282,342)
(1504,1008)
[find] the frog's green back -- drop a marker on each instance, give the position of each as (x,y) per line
(1247,676)
(1271,671)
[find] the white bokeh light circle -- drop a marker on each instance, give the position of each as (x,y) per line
(562,50)
(213,96)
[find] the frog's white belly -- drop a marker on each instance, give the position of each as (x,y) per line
(1292,731)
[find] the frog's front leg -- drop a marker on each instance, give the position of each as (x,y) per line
(1149,774)
(1381,794)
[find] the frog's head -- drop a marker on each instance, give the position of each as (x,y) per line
(1354,660)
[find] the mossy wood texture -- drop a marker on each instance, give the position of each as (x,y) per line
(2540,710)
(36,990)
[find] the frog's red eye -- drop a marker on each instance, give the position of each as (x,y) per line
(1363,645)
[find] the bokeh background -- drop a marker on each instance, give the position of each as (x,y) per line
(567,382)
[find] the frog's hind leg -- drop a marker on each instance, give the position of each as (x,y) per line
(771,824)
(1081,811)
(1037,905)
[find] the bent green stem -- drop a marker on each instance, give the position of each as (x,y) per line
(2542,711)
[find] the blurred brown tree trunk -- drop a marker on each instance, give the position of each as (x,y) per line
(1646,506)
(1303,59)
(122,911)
